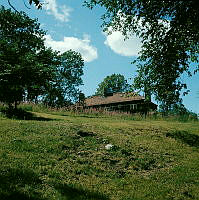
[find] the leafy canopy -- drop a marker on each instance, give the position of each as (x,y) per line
(64,89)
(22,52)
(170,35)
(29,70)
(113,83)
(37,3)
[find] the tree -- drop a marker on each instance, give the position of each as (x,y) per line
(65,87)
(170,36)
(25,63)
(37,3)
(29,70)
(48,61)
(113,83)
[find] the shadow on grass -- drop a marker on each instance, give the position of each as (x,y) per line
(86,116)
(24,184)
(85,134)
(74,193)
(14,181)
(185,137)
(22,115)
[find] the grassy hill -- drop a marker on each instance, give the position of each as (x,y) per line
(65,157)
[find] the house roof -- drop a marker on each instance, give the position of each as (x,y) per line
(116,98)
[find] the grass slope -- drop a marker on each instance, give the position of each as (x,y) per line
(64,157)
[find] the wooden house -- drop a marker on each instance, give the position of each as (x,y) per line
(128,102)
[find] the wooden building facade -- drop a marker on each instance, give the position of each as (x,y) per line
(127,102)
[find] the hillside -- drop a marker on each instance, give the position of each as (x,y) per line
(67,157)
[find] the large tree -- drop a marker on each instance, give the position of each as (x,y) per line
(113,83)
(47,62)
(26,65)
(170,36)
(64,89)
(29,70)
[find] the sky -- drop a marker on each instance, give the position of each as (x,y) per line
(69,25)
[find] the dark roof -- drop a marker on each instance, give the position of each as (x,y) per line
(116,98)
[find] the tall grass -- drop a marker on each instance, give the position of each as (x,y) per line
(71,110)
(101,113)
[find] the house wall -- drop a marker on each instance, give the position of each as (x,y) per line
(131,107)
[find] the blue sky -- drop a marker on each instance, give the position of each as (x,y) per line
(69,25)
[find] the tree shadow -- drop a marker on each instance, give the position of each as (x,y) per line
(13,182)
(24,184)
(74,193)
(185,137)
(21,114)
(86,116)
(85,133)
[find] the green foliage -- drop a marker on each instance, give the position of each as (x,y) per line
(32,107)
(30,71)
(181,113)
(48,61)
(113,83)
(64,88)
(170,35)
(25,63)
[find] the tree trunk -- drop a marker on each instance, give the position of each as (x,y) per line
(15,103)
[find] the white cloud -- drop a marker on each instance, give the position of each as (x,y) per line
(61,13)
(132,46)
(88,52)
(129,47)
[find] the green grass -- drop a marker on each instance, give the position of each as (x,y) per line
(51,156)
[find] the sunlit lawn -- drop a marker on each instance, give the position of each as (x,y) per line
(64,157)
